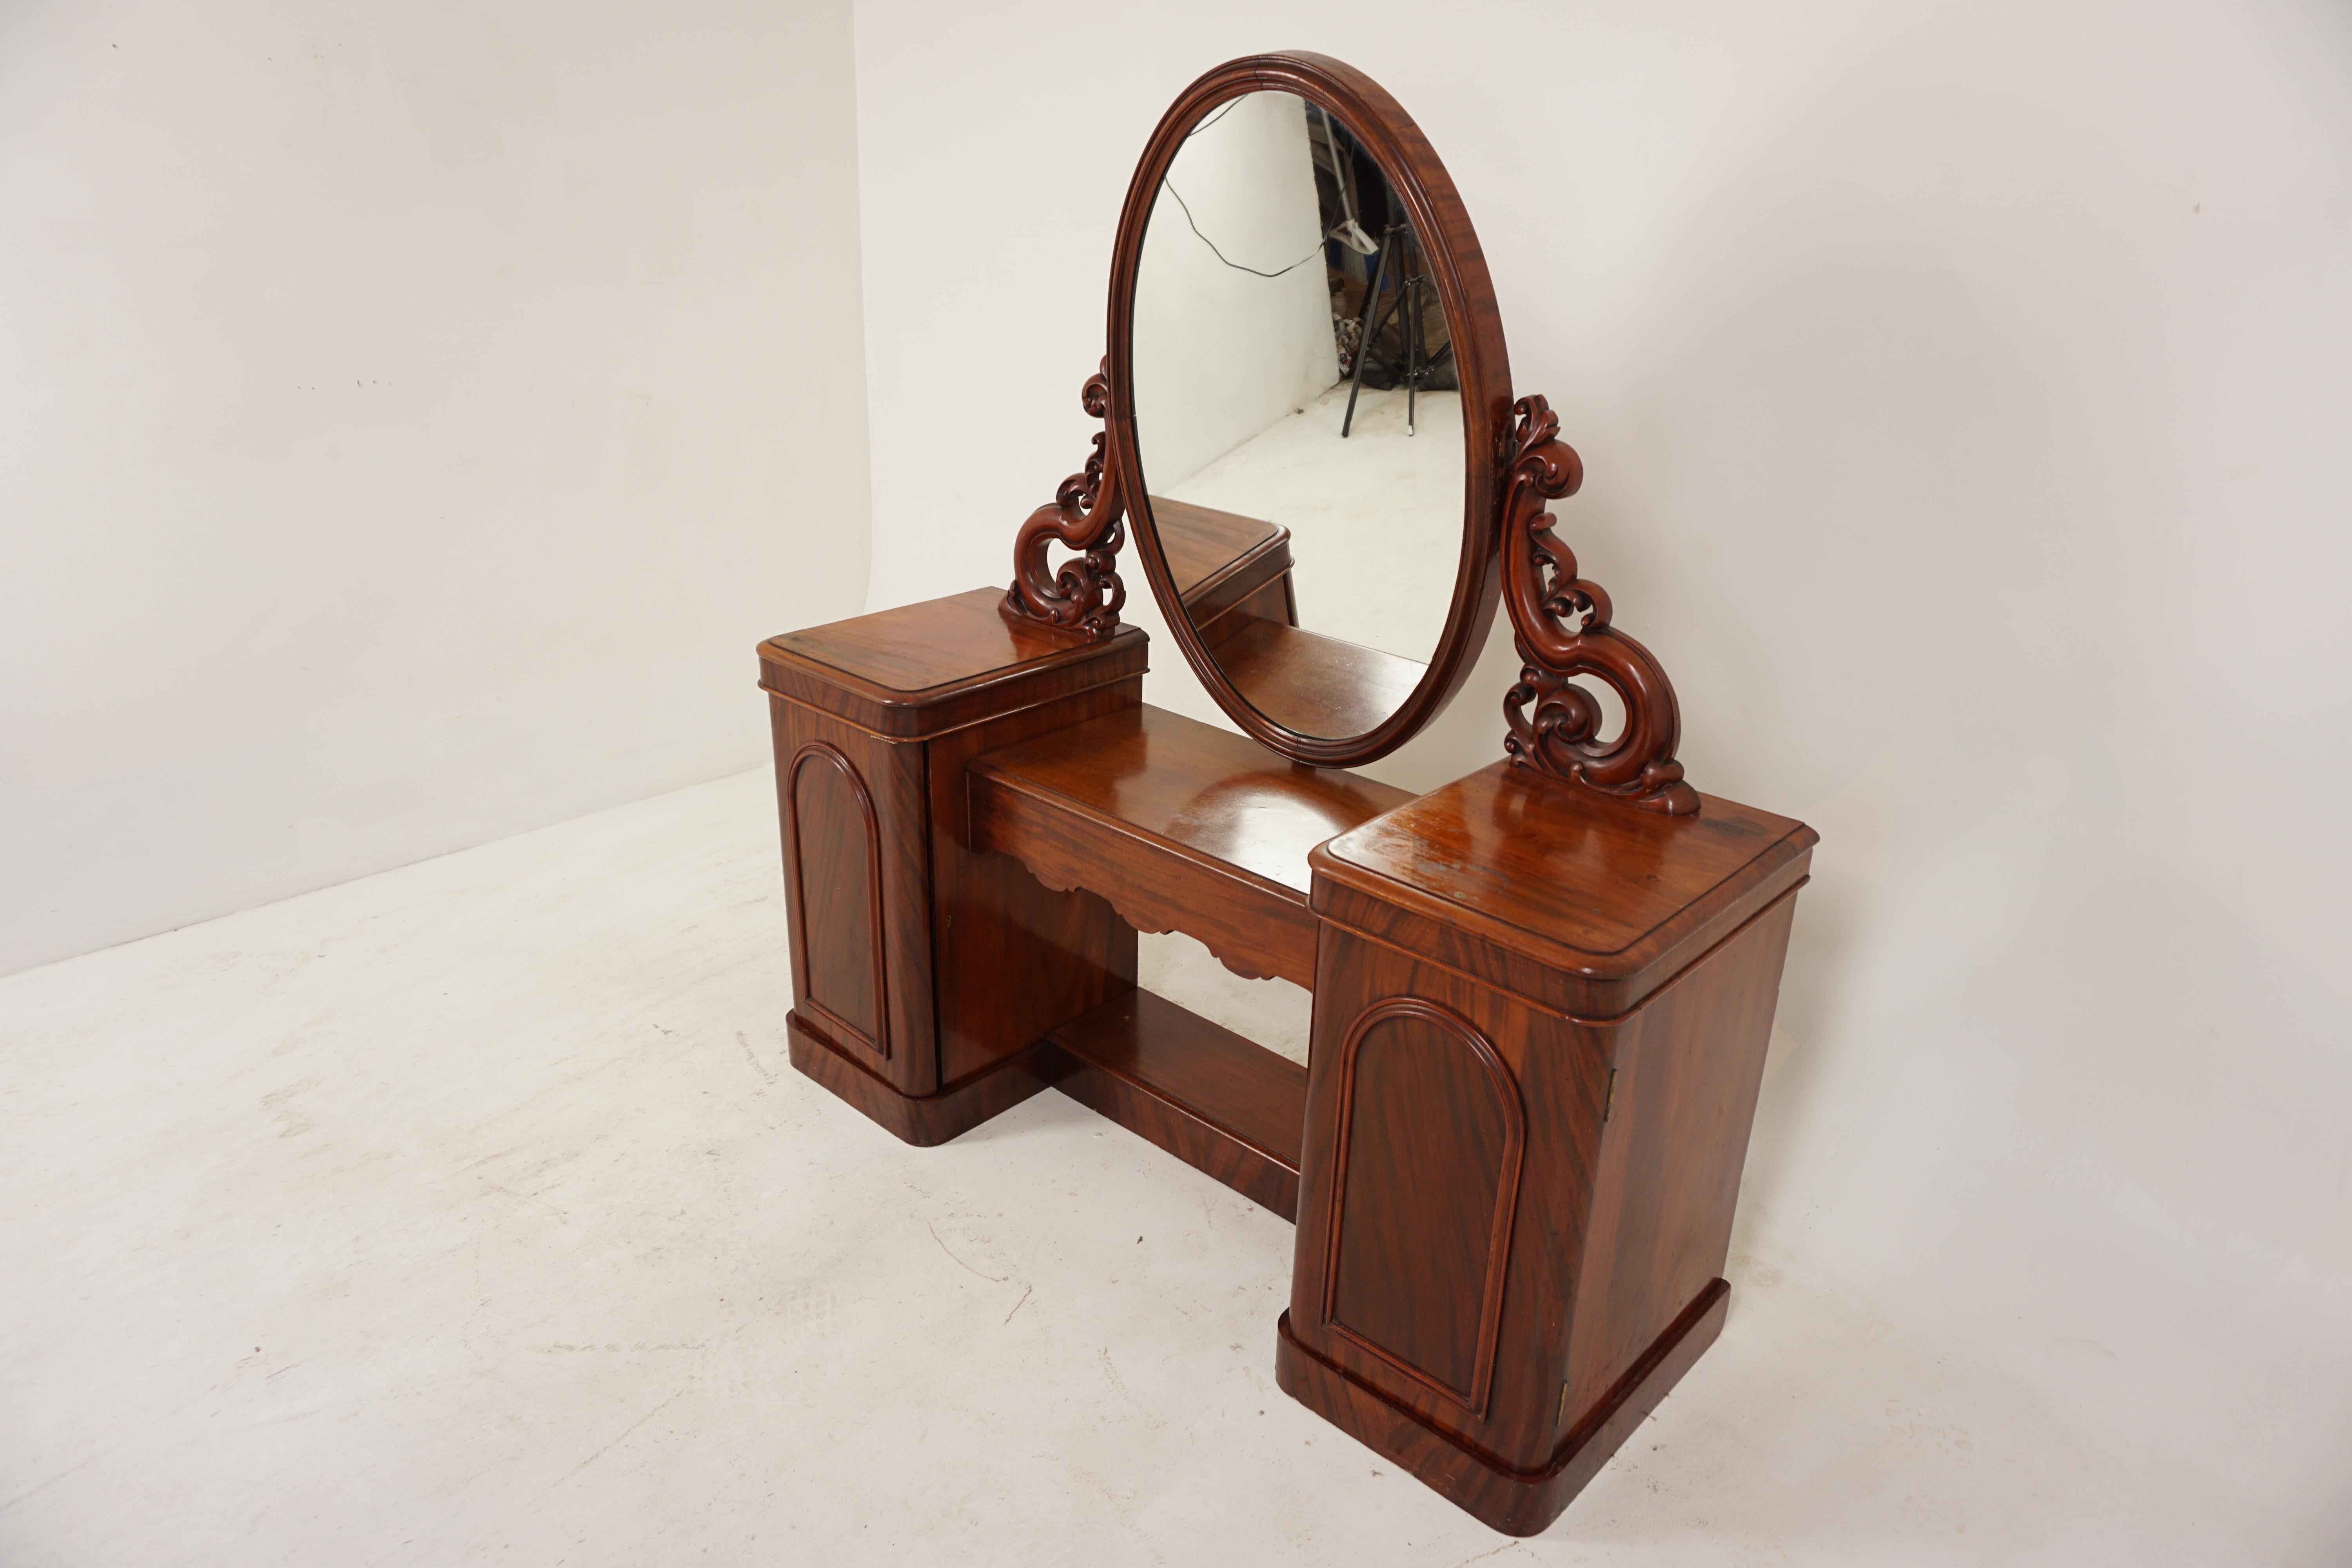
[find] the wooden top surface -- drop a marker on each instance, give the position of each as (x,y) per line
(1201,541)
(1307,683)
(923,648)
(923,669)
(1214,793)
(1577,880)
(1311,684)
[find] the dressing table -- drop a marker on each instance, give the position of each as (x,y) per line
(1541,994)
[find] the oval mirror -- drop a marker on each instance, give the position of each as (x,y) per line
(1309,372)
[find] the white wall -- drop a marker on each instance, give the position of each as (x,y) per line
(1220,353)
(1964,392)
(414,413)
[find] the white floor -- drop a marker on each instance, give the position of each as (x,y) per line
(470,1213)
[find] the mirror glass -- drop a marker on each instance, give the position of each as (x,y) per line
(1298,417)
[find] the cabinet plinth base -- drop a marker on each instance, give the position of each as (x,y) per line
(932,1118)
(1515,1501)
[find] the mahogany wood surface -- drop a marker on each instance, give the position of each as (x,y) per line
(1561,624)
(1540,1021)
(1204,544)
(1274,602)
(836,876)
(1458,267)
(1311,684)
(1616,1228)
(1530,1079)
(1015,958)
(920,959)
(1182,825)
(1426,1159)
(1515,1501)
(930,1118)
(1215,1100)
(924,667)
(1224,566)
(852,803)
(1087,514)
(1231,569)
(1576,902)
(1688,1063)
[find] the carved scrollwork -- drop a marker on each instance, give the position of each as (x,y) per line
(1088,515)
(1561,621)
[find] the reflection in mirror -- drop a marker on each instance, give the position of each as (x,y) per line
(1297,415)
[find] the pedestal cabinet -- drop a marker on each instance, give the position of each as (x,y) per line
(1539,1027)
(925,974)
(1540,1017)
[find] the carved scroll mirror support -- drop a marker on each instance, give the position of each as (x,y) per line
(1561,622)
(1087,514)
(1561,625)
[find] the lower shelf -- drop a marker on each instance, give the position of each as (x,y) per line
(1217,1101)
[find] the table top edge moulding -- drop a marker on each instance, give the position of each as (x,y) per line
(1607,904)
(922,668)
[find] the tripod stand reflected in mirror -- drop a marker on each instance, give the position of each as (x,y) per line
(1410,362)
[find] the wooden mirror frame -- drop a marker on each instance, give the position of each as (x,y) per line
(1450,247)
(1515,463)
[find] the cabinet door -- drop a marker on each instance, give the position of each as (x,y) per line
(857,893)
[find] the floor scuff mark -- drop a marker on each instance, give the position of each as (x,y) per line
(960,1263)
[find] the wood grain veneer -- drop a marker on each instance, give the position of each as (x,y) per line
(1205,546)
(1516,1501)
(1213,1099)
(918,958)
(1427,1153)
(1311,684)
(1563,896)
(1230,570)
(1540,1016)
(1490,904)
(924,1120)
(1182,825)
(837,884)
(926,667)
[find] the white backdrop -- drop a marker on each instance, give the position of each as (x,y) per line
(413,416)
(1963,393)
(1221,354)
